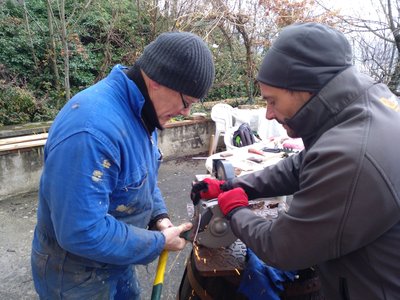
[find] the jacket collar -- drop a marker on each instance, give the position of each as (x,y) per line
(134,94)
(148,113)
(129,93)
(319,113)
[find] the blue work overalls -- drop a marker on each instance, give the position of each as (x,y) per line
(98,193)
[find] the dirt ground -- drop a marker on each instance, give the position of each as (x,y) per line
(18,218)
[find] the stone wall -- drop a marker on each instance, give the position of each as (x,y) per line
(186,138)
(20,169)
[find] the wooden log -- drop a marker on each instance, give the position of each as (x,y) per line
(22,145)
(22,139)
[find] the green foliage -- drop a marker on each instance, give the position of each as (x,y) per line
(18,106)
(105,33)
(14,45)
(230,74)
(13,8)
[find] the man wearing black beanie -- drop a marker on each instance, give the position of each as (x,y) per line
(100,210)
(344,217)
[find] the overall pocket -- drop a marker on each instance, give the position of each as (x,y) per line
(133,197)
(86,283)
(39,265)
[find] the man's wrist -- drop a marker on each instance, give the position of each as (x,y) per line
(160,220)
(157,220)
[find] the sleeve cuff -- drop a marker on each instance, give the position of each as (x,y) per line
(233,211)
(153,222)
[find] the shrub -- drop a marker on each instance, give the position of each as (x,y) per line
(19,106)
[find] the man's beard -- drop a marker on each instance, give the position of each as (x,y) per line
(290,132)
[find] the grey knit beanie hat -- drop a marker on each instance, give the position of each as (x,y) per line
(304,57)
(180,61)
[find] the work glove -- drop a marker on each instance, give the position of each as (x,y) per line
(231,200)
(206,189)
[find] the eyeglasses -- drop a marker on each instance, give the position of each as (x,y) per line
(184,102)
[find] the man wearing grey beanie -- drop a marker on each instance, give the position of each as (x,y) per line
(100,210)
(344,217)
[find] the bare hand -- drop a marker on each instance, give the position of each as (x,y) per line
(172,240)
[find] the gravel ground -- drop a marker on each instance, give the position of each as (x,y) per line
(18,218)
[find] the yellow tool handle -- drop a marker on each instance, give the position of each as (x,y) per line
(159,280)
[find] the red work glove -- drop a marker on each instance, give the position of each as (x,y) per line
(206,189)
(229,200)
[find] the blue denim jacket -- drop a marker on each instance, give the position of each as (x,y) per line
(98,189)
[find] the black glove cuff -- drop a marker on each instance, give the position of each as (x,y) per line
(196,189)
(226,186)
(153,222)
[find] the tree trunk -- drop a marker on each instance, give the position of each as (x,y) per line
(52,47)
(107,45)
(239,21)
(249,60)
(64,39)
(139,16)
(28,29)
(394,83)
(154,17)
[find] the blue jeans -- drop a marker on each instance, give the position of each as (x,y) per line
(58,274)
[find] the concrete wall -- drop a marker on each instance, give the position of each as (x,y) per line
(186,138)
(20,170)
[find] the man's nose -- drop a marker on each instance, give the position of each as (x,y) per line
(185,111)
(270,115)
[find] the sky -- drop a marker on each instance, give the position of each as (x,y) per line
(364,8)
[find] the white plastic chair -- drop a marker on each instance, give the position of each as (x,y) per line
(241,116)
(221,114)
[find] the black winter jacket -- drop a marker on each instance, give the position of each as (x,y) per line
(345,214)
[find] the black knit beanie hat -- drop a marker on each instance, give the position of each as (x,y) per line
(304,57)
(180,61)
